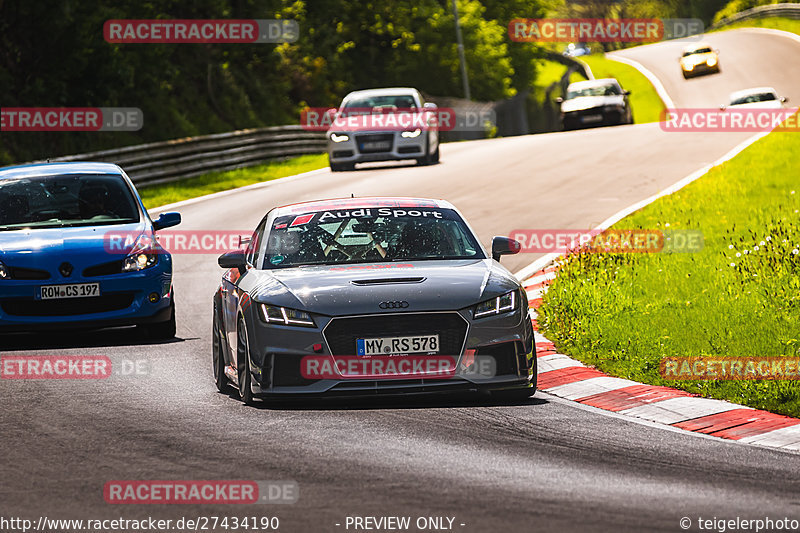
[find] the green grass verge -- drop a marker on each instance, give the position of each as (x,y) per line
(645,102)
(158,195)
(739,296)
(775,23)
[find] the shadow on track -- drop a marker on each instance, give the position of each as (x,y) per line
(379,402)
(75,338)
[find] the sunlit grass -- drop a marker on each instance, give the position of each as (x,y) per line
(645,102)
(739,296)
(158,195)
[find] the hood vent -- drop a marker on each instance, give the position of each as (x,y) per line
(386,281)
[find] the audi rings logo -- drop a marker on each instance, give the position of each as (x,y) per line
(393,305)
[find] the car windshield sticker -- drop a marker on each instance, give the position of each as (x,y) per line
(302,219)
(277,259)
(380,212)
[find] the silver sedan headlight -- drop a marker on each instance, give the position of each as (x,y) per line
(339,138)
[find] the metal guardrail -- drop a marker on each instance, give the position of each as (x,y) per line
(787,10)
(161,162)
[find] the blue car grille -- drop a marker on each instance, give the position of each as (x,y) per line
(67,307)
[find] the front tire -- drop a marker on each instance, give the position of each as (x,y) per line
(218,356)
(243,364)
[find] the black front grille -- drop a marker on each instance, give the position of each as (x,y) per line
(68,306)
(508,356)
(106,269)
(387,140)
(342,333)
(28,273)
(410,150)
(342,153)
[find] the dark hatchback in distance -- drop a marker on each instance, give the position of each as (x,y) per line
(368,278)
(595,103)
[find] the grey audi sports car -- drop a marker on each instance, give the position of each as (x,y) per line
(370,296)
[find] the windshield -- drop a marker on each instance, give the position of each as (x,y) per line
(697,51)
(63,201)
(368,235)
(753,98)
(601,90)
(380,104)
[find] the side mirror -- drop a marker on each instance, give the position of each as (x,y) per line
(166,220)
(559,100)
(330,113)
(234,259)
(626,93)
(430,106)
(504,246)
(723,107)
(784,99)
(716,52)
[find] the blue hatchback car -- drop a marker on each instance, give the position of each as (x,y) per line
(78,250)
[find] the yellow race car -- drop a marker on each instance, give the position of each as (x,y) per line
(698,59)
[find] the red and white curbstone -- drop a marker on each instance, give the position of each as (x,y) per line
(562,376)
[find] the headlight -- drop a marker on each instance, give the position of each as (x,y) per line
(4,273)
(411,134)
(711,61)
(335,137)
(689,66)
(144,254)
(288,317)
(496,306)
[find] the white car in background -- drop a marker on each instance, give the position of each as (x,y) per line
(758,97)
(383,125)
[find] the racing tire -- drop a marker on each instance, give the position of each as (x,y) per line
(243,363)
(217,355)
(427,158)
(435,158)
(162,331)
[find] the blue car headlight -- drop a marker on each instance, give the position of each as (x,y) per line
(144,254)
(282,315)
(4,273)
(496,306)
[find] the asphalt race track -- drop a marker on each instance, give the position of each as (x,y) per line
(547,464)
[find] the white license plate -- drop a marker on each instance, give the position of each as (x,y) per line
(592,118)
(75,290)
(428,344)
(377,145)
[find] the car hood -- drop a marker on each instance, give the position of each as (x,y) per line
(82,246)
(589,102)
(359,289)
